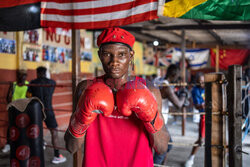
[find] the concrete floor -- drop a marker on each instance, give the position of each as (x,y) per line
(177,156)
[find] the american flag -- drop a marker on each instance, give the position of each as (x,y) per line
(96,14)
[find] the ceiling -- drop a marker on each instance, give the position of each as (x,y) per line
(197,33)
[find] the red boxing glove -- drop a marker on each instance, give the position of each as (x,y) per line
(97,98)
(135,96)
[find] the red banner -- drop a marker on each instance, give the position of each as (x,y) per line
(229,57)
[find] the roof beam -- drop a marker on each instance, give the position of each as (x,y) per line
(212,33)
(212,46)
(178,35)
(153,37)
(192,27)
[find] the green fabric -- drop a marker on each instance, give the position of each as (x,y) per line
(220,10)
(19,92)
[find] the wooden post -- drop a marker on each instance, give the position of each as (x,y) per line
(215,138)
(183,75)
(234,115)
(194,44)
(18,50)
(77,157)
(217,59)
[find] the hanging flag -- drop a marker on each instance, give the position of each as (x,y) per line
(208,9)
(197,58)
(229,57)
(161,60)
(16,15)
(89,14)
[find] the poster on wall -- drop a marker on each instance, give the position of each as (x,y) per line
(86,56)
(7,46)
(32,36)
(148,56)
(31,53)
(55,54)
(8,35)
(57,37)
(95,36)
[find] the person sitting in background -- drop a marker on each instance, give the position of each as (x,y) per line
(17,90)
(168,94)
(45,95)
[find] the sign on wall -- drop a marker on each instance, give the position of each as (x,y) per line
(7,46)
(31,53)
(55,54)
(33,36)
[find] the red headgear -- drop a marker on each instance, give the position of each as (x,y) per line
(116,35)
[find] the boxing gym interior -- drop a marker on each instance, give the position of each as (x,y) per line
(61,41)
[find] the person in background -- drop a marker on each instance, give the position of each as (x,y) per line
(45,93)
(17,90)
(198,95)
(118,117)
(245,92)
(159,77)
(168,95)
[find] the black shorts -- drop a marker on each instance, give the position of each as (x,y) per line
(50,119)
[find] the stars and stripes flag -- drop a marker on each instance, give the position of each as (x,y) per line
(95,14)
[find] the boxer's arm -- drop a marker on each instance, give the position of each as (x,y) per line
(72,143)
(168,92)
(160,139)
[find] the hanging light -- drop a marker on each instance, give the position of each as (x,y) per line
(155,43)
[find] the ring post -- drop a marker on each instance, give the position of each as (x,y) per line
(234,115)
(215,133)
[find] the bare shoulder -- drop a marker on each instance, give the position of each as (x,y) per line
(155,91)
(152,88)
(81,86)
(166,91)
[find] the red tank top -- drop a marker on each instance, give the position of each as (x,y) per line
(117,141)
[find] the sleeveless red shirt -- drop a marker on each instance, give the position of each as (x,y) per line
(117,141)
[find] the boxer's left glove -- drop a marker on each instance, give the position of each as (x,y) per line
(97,98)
(134,96)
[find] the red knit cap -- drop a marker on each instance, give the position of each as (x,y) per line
(116,35)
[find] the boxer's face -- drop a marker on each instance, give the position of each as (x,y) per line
(115,59)
(201,81)
(21,78)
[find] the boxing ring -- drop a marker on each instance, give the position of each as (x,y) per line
(223,106)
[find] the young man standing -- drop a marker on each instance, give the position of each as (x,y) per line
(168,95)
(198,95)
(118,118)
(45,95)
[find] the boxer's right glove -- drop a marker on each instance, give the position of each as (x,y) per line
(97,98)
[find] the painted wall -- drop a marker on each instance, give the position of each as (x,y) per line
(60,72)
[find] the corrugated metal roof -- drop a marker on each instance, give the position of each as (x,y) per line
(201,32)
